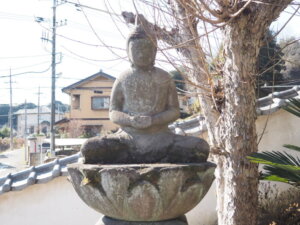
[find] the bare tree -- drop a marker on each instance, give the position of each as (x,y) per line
(231,118)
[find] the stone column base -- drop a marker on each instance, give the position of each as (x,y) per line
(110,221)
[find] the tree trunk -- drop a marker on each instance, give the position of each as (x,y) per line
(233,135)
(236,177)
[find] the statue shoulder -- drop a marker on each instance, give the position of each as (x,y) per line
(125,74)
(163,75)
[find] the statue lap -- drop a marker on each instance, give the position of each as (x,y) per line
(160,147)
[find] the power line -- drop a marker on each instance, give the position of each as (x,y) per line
(82,42)
(95,33)
(63,78)
(79,7)
(96,60)
(23,67)
(16,88)
(113,20)
(18,74)
(13,16)
(86,61)
(22,57)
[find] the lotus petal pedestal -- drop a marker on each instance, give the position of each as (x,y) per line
(149,193)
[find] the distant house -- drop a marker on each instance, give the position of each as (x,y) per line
(36,120)
(89,101)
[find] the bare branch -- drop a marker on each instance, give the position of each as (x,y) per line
(241,9)
(278,32)
(170,37)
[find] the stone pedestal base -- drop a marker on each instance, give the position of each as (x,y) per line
(110,221)
(142,192)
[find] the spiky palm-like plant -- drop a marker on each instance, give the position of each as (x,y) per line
(281,166)
(293,106)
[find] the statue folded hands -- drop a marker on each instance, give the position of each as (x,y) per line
(143,102)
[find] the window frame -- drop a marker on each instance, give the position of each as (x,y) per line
(103,97)
(77,96)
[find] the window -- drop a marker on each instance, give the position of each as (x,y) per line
(100,102)
(76,101)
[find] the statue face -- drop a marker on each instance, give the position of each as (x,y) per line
(141,52)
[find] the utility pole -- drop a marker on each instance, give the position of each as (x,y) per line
(25,132)
(10,113)
(52,131)
(38,125)
(38,112)
(52,122)
(53,66)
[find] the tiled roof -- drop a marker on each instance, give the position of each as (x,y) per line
(36,174)
(265,106)
(276,100)
(99,74)
(191,127)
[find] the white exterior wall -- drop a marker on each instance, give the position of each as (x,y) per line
(32,121)
(279,128)
(282,128)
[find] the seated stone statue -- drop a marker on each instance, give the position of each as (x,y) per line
(143,102)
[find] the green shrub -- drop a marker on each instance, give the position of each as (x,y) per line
(4,132)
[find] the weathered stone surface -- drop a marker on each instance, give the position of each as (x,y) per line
(163,147)
(110,221)
(142,192)
(143,102)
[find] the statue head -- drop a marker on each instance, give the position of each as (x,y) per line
(141,48)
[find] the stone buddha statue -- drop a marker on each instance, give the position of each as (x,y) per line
(143,102)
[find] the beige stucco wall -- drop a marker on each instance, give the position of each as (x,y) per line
(281,128)
(85,110)
(278,128)
(275,130)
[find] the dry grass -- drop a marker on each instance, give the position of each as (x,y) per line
(279,208)
(4,143)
